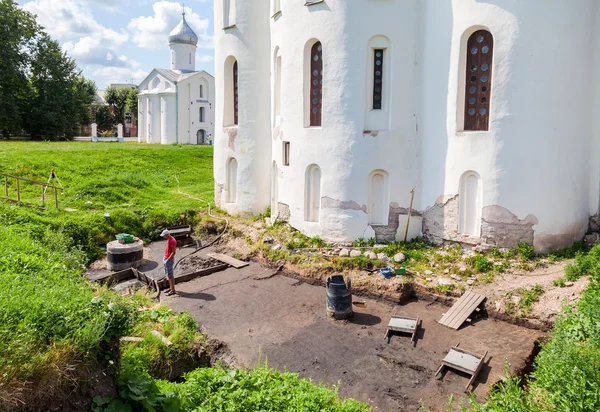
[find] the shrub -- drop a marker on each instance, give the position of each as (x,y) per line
(525,251)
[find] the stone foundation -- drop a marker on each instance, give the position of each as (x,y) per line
(387,233)
(502,228)
(284,212)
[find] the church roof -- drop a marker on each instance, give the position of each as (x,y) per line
(183,33)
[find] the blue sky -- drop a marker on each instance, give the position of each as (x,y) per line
(120,41)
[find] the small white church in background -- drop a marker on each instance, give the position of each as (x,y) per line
(332,111)
(177,105)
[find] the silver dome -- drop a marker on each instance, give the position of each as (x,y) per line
(183,33)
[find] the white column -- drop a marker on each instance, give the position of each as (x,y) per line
(141,119)
(167,117)
(154,119)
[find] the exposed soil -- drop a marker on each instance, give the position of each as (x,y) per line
(264,316)
(544,311)
(504,287)
(195,263)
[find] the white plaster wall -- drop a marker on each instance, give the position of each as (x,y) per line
(533,159)
(154,115)
(167,120)
(189,101)
(141,118)
(344,153)
(594,149)
(249,142)
(180,57)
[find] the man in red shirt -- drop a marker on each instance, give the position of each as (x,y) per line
(169,259)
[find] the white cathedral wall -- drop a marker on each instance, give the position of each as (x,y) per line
(594,150)
(344,148)
(533,160)
(168,113)
(189,103)
(249,143)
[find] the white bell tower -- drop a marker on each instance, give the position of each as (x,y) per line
(183,42)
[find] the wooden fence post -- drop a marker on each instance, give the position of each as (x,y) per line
(18,192)
(43,195)
(55,197)
(6,187)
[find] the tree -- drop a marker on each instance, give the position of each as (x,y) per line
(18,31)
(132,102)
(117,98)
(103,118)
(53,107)
(84,95)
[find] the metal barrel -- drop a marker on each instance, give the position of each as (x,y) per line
(339,297)
(121,256)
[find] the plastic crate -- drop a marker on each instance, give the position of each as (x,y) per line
(125,238)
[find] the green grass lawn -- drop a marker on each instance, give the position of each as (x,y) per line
(105,176)
(110,188)
(55,326)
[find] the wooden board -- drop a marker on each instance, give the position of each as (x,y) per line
(461,310)
(229,260)
(186,277)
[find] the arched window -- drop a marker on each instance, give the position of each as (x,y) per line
(232,180)
(315,96)
(378,198)
(277,97)
(190,58)
(478,82)
(230,104)
(378,97)
(469,200)
(312,194)
(235,93)
(228,13)
(201,91)
(155,83)
(201,114)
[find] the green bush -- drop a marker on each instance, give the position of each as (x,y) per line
(525,251)
(259,389)
(480,263)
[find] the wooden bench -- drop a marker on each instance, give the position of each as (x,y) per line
(405,325)
(464,361)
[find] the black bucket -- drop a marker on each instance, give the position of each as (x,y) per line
(339,297)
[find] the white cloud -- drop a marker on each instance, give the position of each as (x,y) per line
(151,32)
(118,75)
(83,38)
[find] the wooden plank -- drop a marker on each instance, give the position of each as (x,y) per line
(229,260)
(131,339)
(461,310)
(448,317)
(186,277)
(162,338)
(467,309)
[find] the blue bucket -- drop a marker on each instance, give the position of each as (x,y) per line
(387,272)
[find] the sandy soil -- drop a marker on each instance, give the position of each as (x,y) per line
(262,315)
(544,311)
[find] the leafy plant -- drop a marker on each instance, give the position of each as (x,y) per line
(525,251)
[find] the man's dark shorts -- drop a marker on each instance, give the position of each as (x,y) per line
(169,266)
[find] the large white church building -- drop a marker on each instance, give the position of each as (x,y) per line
(332,111)
(178,105)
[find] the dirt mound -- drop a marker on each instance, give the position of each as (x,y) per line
(195,263)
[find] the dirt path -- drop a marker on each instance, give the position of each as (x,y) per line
(263,316)
(543,312)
